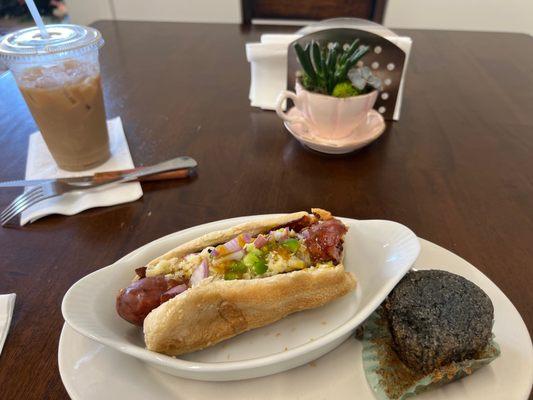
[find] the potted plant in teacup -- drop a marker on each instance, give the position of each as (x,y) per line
(334,98)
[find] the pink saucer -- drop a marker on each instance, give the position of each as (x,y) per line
(365,133)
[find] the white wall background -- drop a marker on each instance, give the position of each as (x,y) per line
(481,15)
(476,15)
(86,12)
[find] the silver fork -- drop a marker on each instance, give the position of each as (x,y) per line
(31,197)
(57,188)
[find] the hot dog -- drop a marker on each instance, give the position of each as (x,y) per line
(136,301)
(227,282)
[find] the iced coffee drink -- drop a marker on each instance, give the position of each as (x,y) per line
(59,77)
(67,104)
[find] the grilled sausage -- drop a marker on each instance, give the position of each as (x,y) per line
(136,301)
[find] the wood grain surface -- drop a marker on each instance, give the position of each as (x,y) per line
(457,168)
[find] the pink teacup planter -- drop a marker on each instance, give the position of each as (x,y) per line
(334,95)
(328,117)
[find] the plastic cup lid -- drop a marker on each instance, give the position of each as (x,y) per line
(28,43)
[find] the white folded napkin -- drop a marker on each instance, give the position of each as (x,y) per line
(269,72)
(40,164)
(7,304)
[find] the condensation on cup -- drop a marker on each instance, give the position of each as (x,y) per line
(59,77)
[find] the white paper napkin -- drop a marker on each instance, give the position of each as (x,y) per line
(40,164)
(268,72)
(7,304)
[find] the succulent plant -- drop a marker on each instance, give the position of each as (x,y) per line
(332,69)
(325,66)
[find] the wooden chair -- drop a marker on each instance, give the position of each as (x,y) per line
(312,9)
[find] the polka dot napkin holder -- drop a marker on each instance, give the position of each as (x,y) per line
(387,58)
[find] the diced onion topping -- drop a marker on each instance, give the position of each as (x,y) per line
(260,241)
(173,292)
(200,272)
(235,256)
(234,245)
(280,234)
(304,234)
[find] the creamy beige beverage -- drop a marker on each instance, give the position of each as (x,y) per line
(67,104)
(59,77)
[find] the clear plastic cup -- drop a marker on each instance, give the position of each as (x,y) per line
(59,78)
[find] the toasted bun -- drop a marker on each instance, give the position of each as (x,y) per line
(215,310)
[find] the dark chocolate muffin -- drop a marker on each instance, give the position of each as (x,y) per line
(437,317)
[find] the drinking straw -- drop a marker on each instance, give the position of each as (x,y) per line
(37,18)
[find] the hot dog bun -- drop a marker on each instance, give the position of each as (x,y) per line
(215,310)
(218,310)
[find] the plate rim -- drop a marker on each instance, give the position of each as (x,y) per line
(231,366)
(72,391)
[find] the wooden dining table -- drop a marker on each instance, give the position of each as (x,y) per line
(457,168)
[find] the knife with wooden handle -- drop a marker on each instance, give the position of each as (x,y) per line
(187,167)
(162,176)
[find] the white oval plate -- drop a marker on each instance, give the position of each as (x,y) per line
(379,253)
(92,371)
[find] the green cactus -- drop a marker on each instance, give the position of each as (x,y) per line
(324,67)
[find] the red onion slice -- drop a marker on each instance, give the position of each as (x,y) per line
(260,241)
(280,235)
(200,272)
(171,293)
(232,245)
(304,234)
(235,256)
